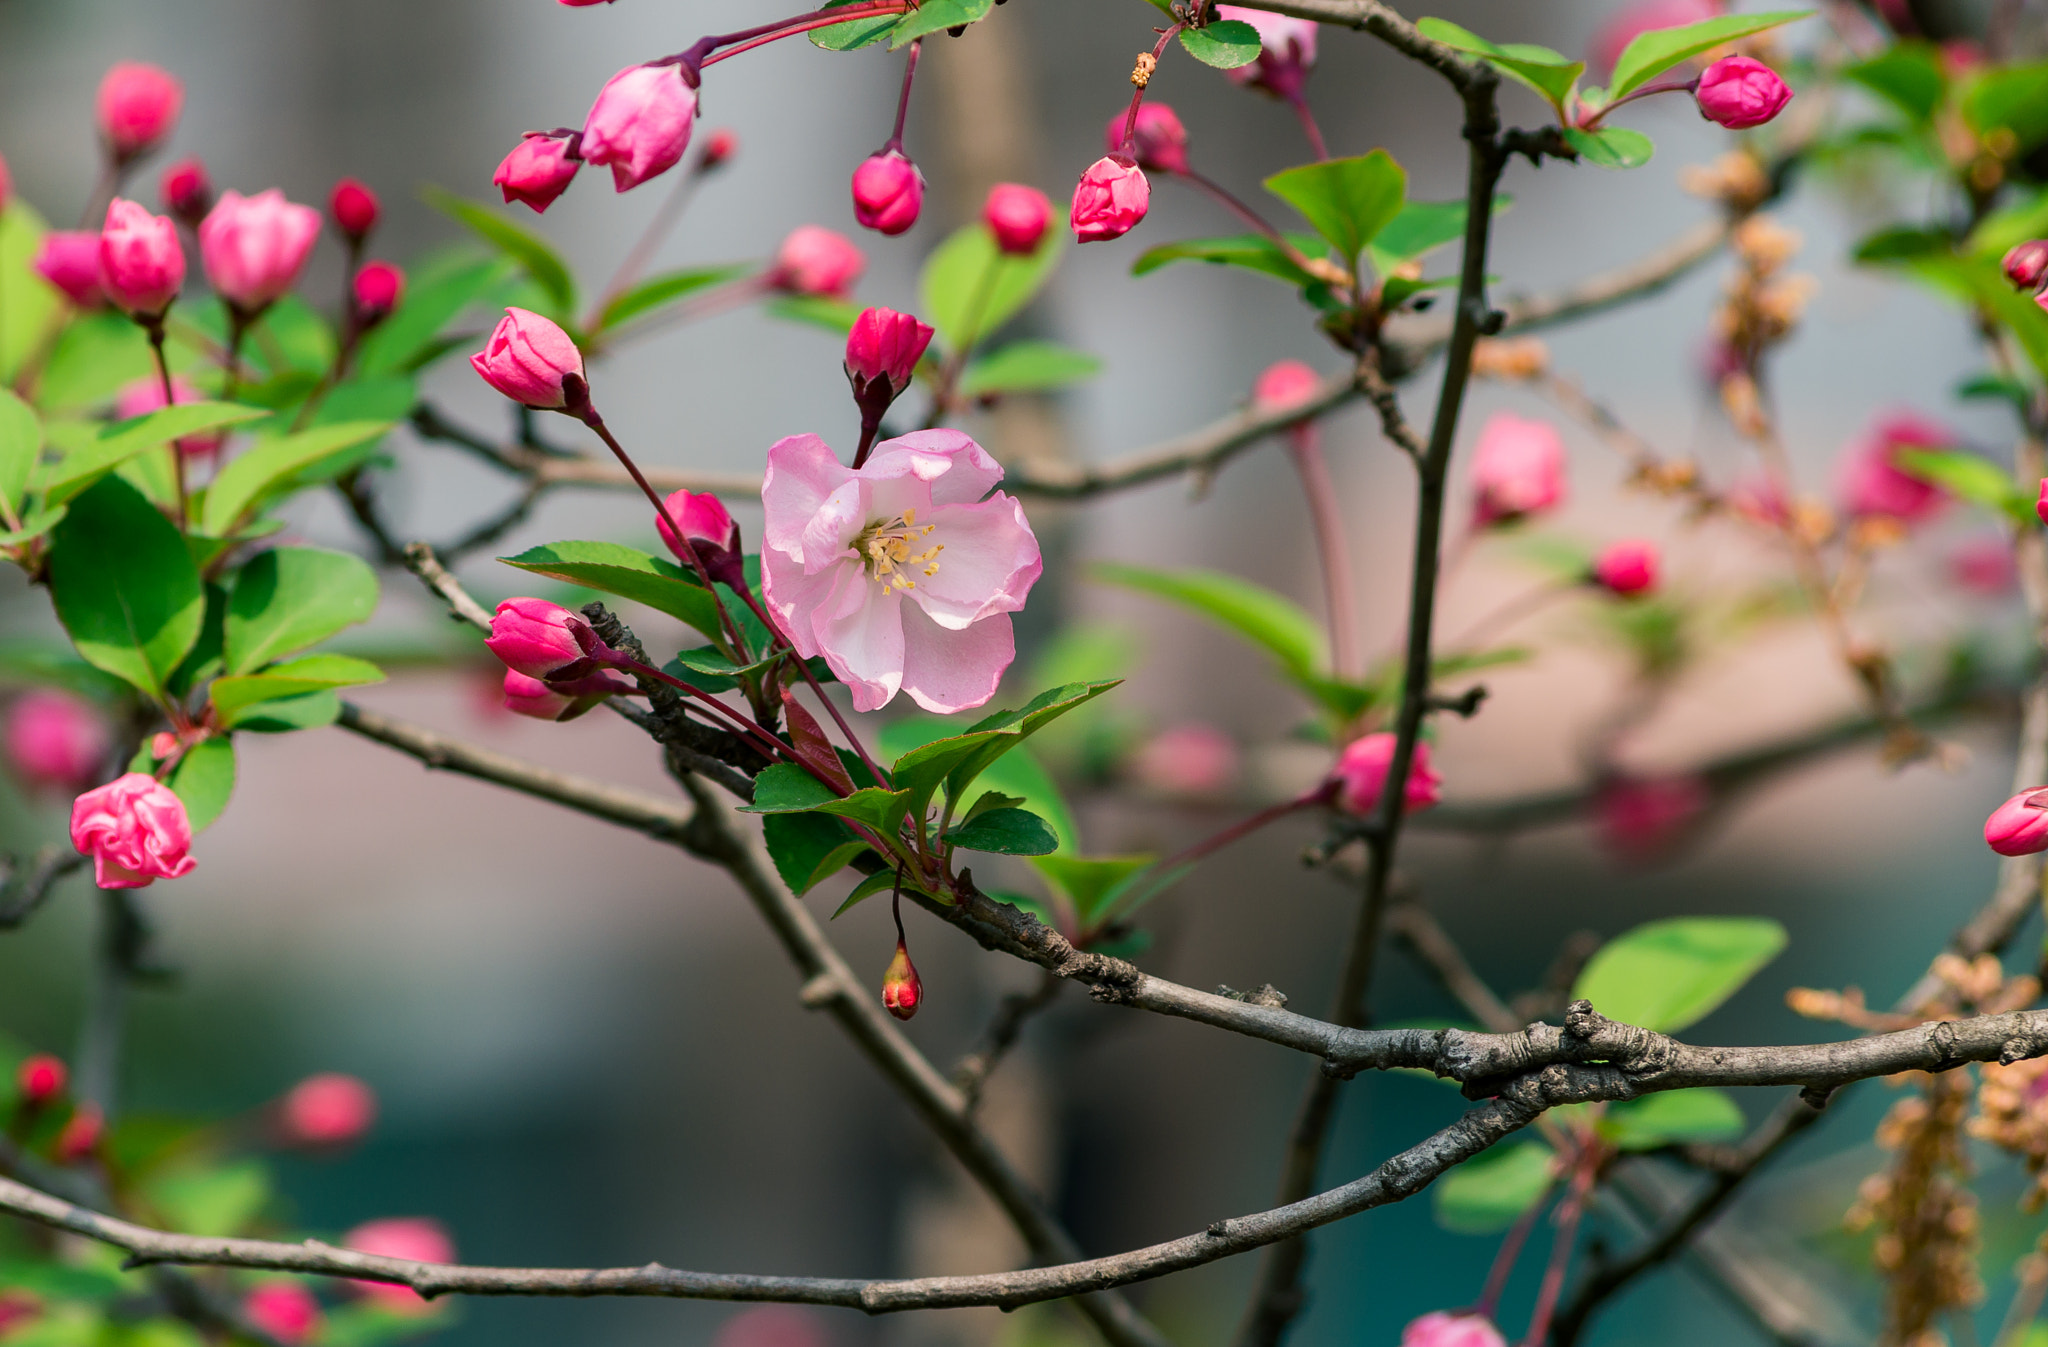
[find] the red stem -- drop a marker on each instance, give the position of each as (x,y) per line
(1568,1213)
(1308,124)
(1138,94)
(1346,657)
(1504,1260)
(903,99)
(1245,827)
(803,24)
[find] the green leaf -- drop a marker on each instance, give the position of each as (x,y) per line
(2012,98)
(125,586)
(785,788)
(669,286)
(707,667)
(1903,243)
(808,848)
(1492,1190)
(21,442)
(1611,146)
(1091,884)
(34,525)
(970,288)
(1226,45)
(628,573)
(97,355)
(534,254)
(1349,201)
(1671,1117)
(1422,227)
(1667,975)
(257,472)
(858,33)
(1254,252)
(1654,52)
(1974,479)
(292,336)
(1007,832)
(292,597)
(314,673)
(881,881)
(118,443)
(204,779)
(408,338)
(1908,74)
(28,303)
(1017,776)
(210,1199)
(834,315)
(933,15)
(1271,621)
(1549,73)
(282,715)
(958,759)
(1028,367)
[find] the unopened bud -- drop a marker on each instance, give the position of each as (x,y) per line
(888,192)
(81,1135)
(882,351)
(378,287)
(353,208)
(901,991)
(186,191)
(40,1079)
(2027,264)
(719,146)
(2019,827)
(330,1109)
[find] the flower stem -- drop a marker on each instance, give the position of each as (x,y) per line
(804,667)
(1245,827)
(643,251)
(1166,35)
(155,328)
(1568,1213)
(903,98)
(750,38)
(1504,1260)
(1309,128)
(1592,123)
(754,734)
(1245,213)
(1346,656)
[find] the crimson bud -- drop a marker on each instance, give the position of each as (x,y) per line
(1018,217)
(40,1079)
(902,992)
(353,208)
(186,191)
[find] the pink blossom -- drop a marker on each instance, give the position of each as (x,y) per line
(1285,385)
(354,209)
(902,990)
(1017,216)
(142,264)
(537,171)
(1870,481)
(814,260)
(1441,1328)
(416,1239)
(640,123)
(1362,768)
(70,260)
(376,290)
(1761,499)
(286,1311)
(899,573)
(1739,92)
(330,1109)
(135,830)
(40,1078)
(255,247)
(2026,264)
(708,527)
(1287,51)
(81,1134)
(528,359)
(137,106)
(561,700)
(888,192)
(186,191)
(1158,139)
(536,637)
(1984,566)
(1627,568)
(6,185)
(1517,469)
(1632,20)
(1110,200)
(55,739)
(1639,817)
(145,395)
(882,351)
(1194,759)
(2019,827)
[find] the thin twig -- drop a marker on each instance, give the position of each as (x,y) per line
(27,887)
(1003,1031)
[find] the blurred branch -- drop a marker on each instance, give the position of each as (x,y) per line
(1011,1016)
(1418,930)
(28,886)
(419,558)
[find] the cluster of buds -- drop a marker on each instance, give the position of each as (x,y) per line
(550,672)
(2012,1114)
(1923,1211)
(1761,306)
(1737,179)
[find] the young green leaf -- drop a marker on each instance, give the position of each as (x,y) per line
(235,694)
(1907,74)
(203,780)
(1349,201)
(628,573)
(124,585)
(2009,98)
(1488,1193)
(283,715)
(834,315)
(785,788)
(1549,73)
(1225,45)
(21,441)
(934,15)
(855,33)
(1271,621)
(658,291)
(970,288)
(1422,227)
(253,475)
(1667,975)
(1007,832)
(92,460)
(808,848)
(289,598)
(534,254)
(1027,367)
(957,760)
(1091,884)
(1651,54)
(1254,252)
(1671,1117)
(1611,146)
(1977,480)
(30,306)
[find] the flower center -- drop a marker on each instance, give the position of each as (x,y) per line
(884,548)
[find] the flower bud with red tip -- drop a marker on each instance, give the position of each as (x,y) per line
(882,351)
(1110,199)
(814,260)
(640,124)
(709,534)
(719,146)
(538,638)
(81,1134)
(1739,92)
(376,290)
(888,192)
(2019,827)
(186,191)
(1361,772)
(1158,139)
(142,264)
(537,171)
(1018,216)
(529,359)
(2026,265)
(40,1079)
(1627,569)
(902,992)
(135,829)
(138,104)
(354,209)
(70,260)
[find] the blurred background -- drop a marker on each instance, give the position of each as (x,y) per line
(587,1049)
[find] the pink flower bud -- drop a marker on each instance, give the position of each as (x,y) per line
(354,209)
(55,739)
(706,524)
(902,991)
(417,1239)
(254,247)
(640,123)
(1517,469)
(888,191)
(40,1079)
(377,288)
(6,185)
(583,4)
(1285,385)
(1627,568)
(1193,760)
(1985,566)
(1362,769)
(70,260)
(814,260)
(1158,140)
(142,264)
(330,1109)
(2019,827)
(138,105)
(536,637)
(1018,216)
(286,1311)
(527,359)
(1870,481)
(1739,92)
(1441,1328)
(1111,198)
(1287,51)
(135,830)
(2027,264)
(186,191)
(561,700)
(1639,817)
(537,171)
(719,146)
(882,350)
(145,395)
(81,1134)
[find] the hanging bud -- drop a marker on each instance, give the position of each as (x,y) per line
(2026,266)
(1017,216)
(640,123)
(537,171)
(530,360)
(2019,827)
(1158,139)
(1627,569)
(186,191)
(1110,199)
(888,192)
(40,1079)
(902,992)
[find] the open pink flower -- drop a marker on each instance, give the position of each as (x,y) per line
(1871,481)
(899,573)
(135,830)
(1287,51)
(1517,470)
(814,260)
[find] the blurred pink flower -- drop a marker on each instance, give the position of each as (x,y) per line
(1984,566)
(1362,769)
(772,1326)
(1642,16)
(1193,759)
(137,107)
(1441,1328)
(1285,385)
(1517,468)
(286,1311)
(55,739)
(1627,568)
(1158,139)
(186,191)
(70,260)
(40,1078)
(1287,51)
(1870,481)
(417,1239)
(254,247)
(1018,217)
(146,395)
(640,123)
(814,260)
(1759,499)
(330,1109)
(1639,817)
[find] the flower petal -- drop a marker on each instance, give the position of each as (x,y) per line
(959,470)
(947,671)
(794,594)
(860,632)
(989,565)
(802,472)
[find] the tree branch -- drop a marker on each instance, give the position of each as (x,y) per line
(28,886)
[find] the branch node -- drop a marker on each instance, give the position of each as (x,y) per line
(1816,1097)
(1265,994)
(821,991)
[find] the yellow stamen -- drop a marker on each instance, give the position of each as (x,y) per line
(884,548)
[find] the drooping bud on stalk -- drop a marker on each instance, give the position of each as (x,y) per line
(2019,827)
(2026,266)
(418,1239)
(186,191)
(719,146)
(330,1109)
(1111,198)
(137,106)
(1158,139)
(640,123)
(40,1079)
(902,992)
(814,260)
(888,192)
(254,247)
(1361,772)
(70,260)
(538,638)
(142,264)
(882,351)
(81,1134)
(354,209)
(377,288)
(709,532)
(537,171)
(1627,568)
(1739,92)
(1018,216)
(528,359)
